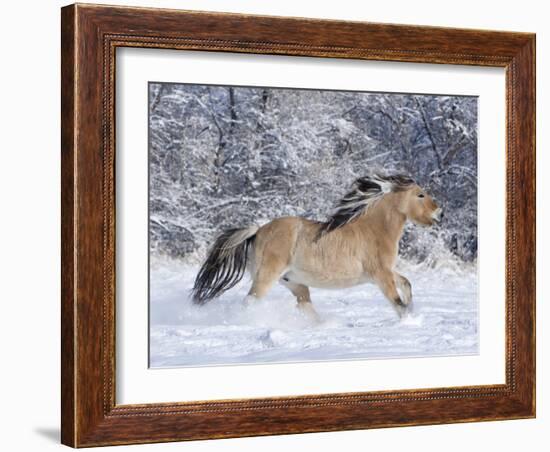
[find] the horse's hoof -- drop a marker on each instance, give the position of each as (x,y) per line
(249,300)
(311,314)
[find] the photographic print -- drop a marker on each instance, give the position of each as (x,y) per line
(305,229)
(294,225)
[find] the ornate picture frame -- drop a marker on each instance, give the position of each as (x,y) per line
(90,36)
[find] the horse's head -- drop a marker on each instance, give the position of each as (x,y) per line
(419,206)
(396,192)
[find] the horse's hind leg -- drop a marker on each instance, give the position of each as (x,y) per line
(264,277)
(387,282)
(303,299)
(272,253)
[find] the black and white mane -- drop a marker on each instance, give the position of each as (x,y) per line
(365,192)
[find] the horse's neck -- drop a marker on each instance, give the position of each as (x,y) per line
(384,217)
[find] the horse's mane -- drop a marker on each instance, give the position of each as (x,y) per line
(365,192)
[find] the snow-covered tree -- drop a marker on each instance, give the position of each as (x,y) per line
(230,156)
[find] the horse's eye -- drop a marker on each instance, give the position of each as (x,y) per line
(421,195)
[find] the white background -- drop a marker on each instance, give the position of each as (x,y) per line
(30,226)
(137,384)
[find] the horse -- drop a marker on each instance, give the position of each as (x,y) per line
(357,244)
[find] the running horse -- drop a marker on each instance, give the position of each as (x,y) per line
(358,244)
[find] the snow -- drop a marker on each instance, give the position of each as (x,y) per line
(357,323)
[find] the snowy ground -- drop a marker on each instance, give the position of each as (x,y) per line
(356,323)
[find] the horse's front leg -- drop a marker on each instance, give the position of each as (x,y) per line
(387,282)
(404,285)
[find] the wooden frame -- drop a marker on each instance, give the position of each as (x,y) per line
(90,35)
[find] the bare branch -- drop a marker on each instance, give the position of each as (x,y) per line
(429,131)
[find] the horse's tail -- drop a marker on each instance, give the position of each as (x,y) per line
(225,264)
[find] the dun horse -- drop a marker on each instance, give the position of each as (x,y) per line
(358,244)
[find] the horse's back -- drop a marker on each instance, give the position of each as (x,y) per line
(279,231)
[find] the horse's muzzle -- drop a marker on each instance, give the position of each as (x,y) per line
(437,216)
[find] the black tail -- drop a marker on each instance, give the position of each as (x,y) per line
(225,264)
